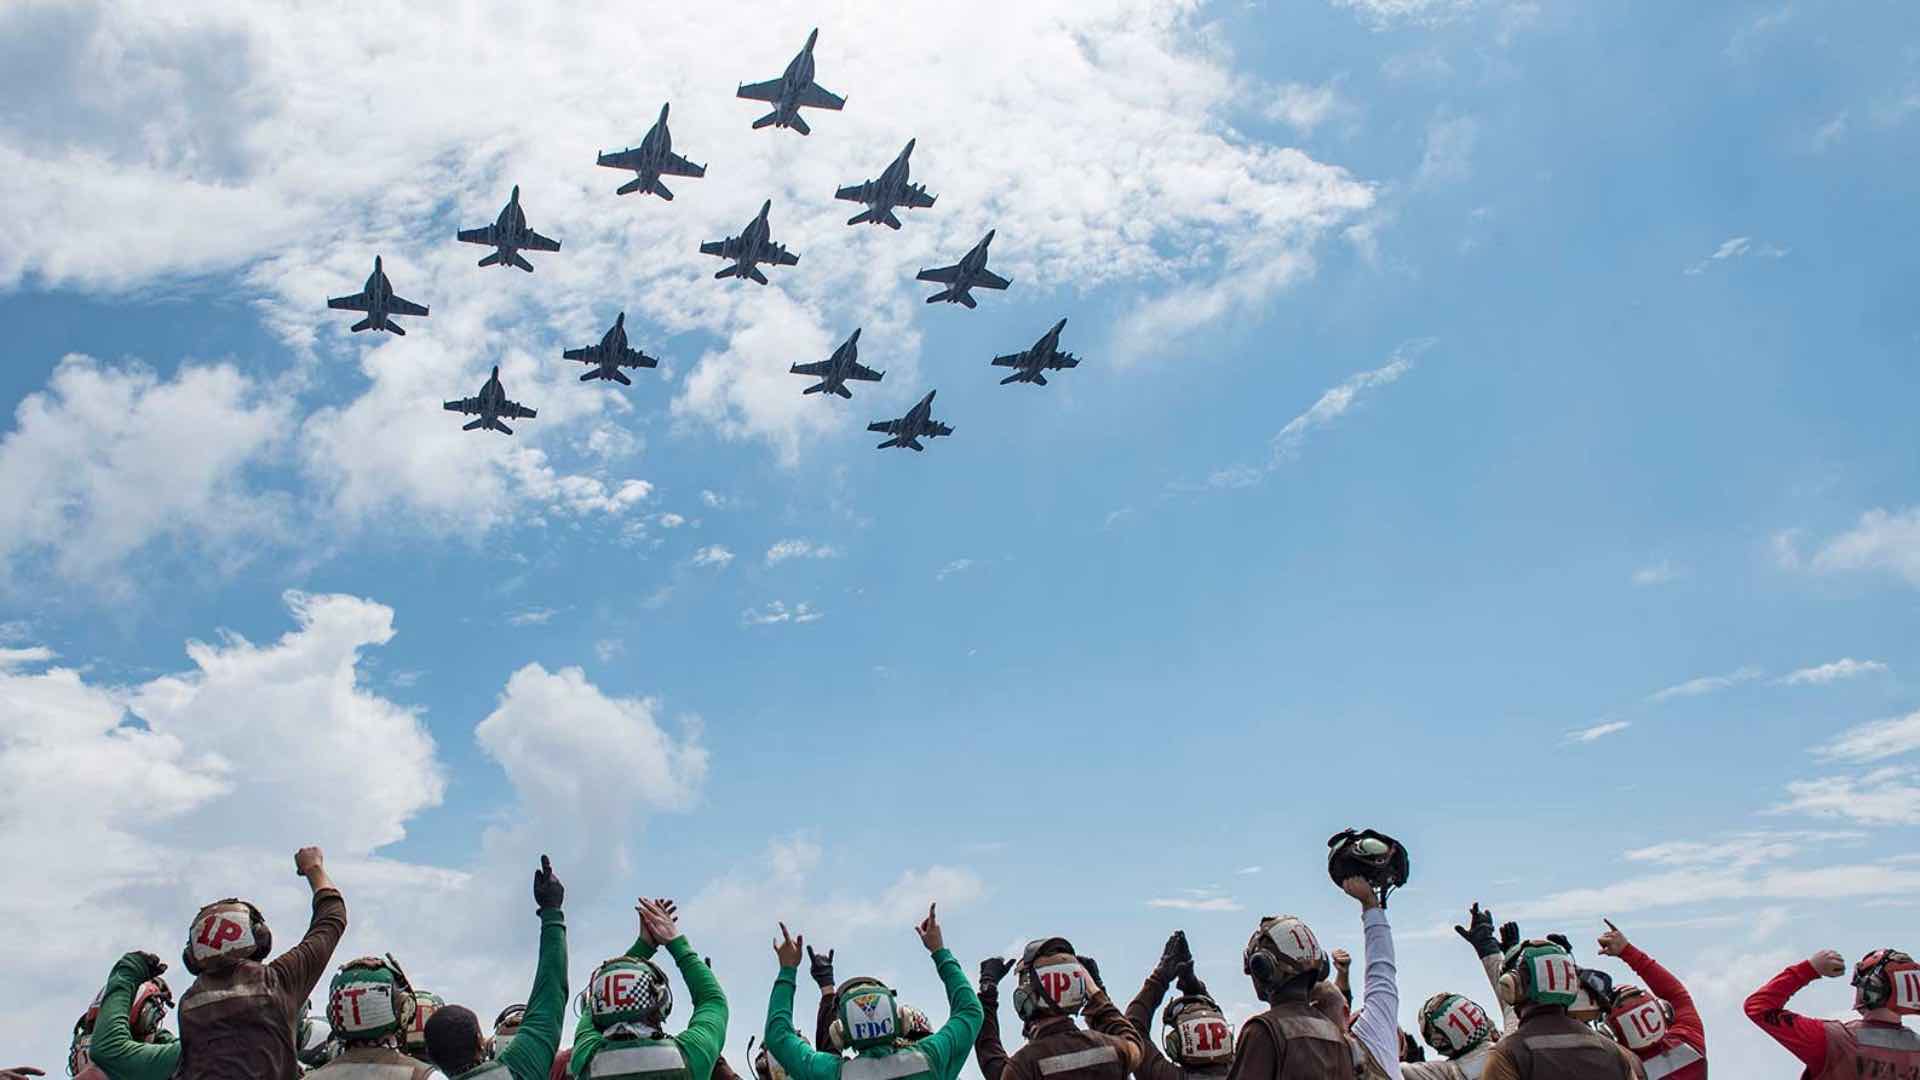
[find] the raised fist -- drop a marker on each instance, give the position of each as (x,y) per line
(1829,964)
(547,890)
(308,860)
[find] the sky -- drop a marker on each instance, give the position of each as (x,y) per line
(1493,427)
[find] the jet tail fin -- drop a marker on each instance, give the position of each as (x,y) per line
(862,217)
(914,444)
(491,260)
(363,324)
(473,426)
(943,294)
(661,190)
(814,389)
(843,391)
(631,186)
(754,273)
(394,327)
(727,272)
(621,378)
(502,428)
(768,120)
(1018,376)
(889,220)
(796,123)
(968,300)
(522,263)
(1039,379)
(592,375)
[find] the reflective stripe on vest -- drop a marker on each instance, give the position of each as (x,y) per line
(363,1070)
(1671,1062)
(1558,1042)
(248,989)
(1471,1070)
(1079,1059)
(1304,1027)
(893,1066)
(646,1059)
(1887,1038)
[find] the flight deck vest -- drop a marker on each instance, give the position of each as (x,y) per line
(1073,1054)
(1857,1050)
(899,1065)
(1307,1045)
(1671,1060)
(372,1063)
(1364,1067)
(1555,1046)
(639,1059)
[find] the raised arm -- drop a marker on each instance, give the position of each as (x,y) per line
(1479,933)
(706,1033)
(782,1043)
(1378,1023)
(821,968)
(297,970)
(1804,1038)
(530,1055)
(1660,982)
(114,1048)
(1105,1018)
(988,1052)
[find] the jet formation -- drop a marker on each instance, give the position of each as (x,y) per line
(652,159)
(745,253)
(791,92)
(490,404)
(508,236)
(835,370)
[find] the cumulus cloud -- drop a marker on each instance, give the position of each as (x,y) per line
(784,550)
(1382,14)
(109,460)
(1882,541)
(1844,668)
(715,555)
(1875,741)
(1889,796)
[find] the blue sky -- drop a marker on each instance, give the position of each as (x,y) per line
(1493,426)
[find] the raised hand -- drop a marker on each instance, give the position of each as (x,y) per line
(992,970)
(657,922)
(1509,935)
(1830,964)
(308,860)
(787,949)
(1612,941)
(548,893)
(1174,953)
(1342,959)
(1187,981)
(1479,931)
(820,967)
(929,931)
(155,965)
(1362,890)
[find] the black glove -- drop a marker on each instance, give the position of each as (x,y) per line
(1410,1048)
(154,965)
(1173,954)
(820,967)
(1093,972)
(1561,940)
(1479,932)
(1187,981)
(1509,936)
(547,890)
(992,970)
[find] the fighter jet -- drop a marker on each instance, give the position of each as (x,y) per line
(490,405)
(652,159)
(969,273)
(911,428)
(611,355)
(1044,356)
(379,302)
(510,236)
(792,91)
(834,371)
(753,245)
(882,195)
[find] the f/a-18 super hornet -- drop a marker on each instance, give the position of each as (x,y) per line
(379,302)
(753,245)
(1045,355)
(611,355)
(652,159)
(835,370)
(490,405)
(969,273)
(910,429)
(509,236)
(792,91)
(882,195)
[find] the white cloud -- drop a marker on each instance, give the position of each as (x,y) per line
(957,566)
(1660,573)
(1751,33)
(1875,741)
(1889,796)
(1248,870)
(1682,887)
(608,648)
(108,460)
(1844,668)
(783,550)
(671,520)
(713,555)
(1740,247)
(539,616)
(1382,14)
(778,612)
(32,654)
(1300,106)
(1831,133)
(1599,731)
(1448,158)
(1881,541)
(1742,850)
(1189,903)
(1331,406)
(1706,684)
(713,500)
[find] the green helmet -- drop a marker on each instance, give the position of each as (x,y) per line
(369,1000)
(867,1015)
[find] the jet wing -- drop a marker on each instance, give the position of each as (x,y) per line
(864,373)
(513,409)
(536,242)
(945,275)
(816,370)
(935,427)
(761,91)
(621,159)
(724,248)
(356,302)
(887,427)
(852,193)
(586,354)
(478,236)
(1010,360)
(818,97)
(675,165)
(464,405)
(398,306)
(636,359)
(987,279)
(1062,360)
(780,256)
(917,198)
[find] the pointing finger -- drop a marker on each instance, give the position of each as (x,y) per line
(1610,925)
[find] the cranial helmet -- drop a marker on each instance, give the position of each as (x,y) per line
(628,991)
(1636,1019)
(413,1036)
(914,1024)
(370,1000)
(149,1010)
(1282,949)
(866,1014)
(1454,1025)
(79,1054)
(1539,972)
(765,1066)
(1377,857)
(506,1026)
(224,933)
(1887,979)
(1049,980)
(1197,1035)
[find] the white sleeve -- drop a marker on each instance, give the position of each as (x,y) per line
(1378,1027)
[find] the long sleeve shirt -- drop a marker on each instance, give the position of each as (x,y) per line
(1804,1038)
(988,1051)
(1153,1064)
(114,1049)
(1048,1037)
(530,1055)
(1377,1025)
(1686,1026)
(706,1033)
(237,1023)
(945,1049)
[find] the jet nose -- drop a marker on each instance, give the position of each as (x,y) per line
(813,37)
(766,206)
(620,319)
(856,335)
(909,148)
(496,371)
(663,111)
(989,238)
(516,194)
(376,263)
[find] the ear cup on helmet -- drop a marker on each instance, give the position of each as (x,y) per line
(837,1035)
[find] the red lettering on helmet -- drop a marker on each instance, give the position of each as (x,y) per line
(218,930)
(352,997)
(620,991)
